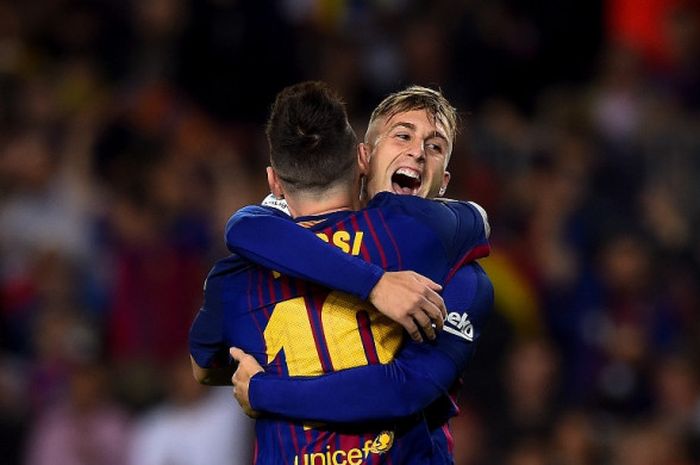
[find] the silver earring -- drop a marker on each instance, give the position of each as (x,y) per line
(442,190)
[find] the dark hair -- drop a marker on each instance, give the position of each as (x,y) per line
(311,142)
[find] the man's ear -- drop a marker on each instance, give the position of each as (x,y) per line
(363,157)
(274,183)
(445,182)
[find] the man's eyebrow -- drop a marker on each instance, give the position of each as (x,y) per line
(412,127)
(405,124)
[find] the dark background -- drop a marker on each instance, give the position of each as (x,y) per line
(131,130)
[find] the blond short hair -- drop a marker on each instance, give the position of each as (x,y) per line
(418,98)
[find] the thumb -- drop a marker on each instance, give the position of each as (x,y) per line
(237,353)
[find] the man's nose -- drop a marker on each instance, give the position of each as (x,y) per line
(417,150)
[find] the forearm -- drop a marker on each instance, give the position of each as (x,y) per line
(277,243)
(373,392)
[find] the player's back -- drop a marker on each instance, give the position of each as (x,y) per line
(299,329)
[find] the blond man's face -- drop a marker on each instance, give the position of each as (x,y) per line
(407,154)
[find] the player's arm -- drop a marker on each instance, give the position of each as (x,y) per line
(210,362)
(419,374)
(469,239)
(462,227)
(269,238)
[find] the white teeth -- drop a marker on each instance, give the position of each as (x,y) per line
(408,172)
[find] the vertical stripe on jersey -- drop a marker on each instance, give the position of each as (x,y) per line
(378,245)
(281,442)
(314,304)
(391,238)
(253,314)
(363,324)
(281,368)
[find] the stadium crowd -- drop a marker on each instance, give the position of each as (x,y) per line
(130,131)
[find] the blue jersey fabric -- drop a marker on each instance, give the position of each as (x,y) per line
(419,374)
(295,328)
(251,230)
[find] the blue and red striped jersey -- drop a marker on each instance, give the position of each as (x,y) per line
(296,328)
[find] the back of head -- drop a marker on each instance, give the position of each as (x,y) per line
(418,98)
(311,142)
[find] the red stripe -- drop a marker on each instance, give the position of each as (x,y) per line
(255,451)
(279,437)
(450,439)
(286,291)
(260,295)
(278,361)
(319,339)
(271,289)
(376,239)
(309,443)
(295,439)
(363,249)
(349,441)
(391,238)
(365,329)
(479,251)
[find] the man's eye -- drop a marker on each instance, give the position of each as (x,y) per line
(403,136)
(434,148)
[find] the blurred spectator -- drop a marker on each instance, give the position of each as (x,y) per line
(85,428)
(195,425)
(573,441)
(677,394)
(524,418)
(647,444)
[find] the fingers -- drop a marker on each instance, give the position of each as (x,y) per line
(437,304)
(431,293)
(412,330)
(426,324)
(428,282)
(237,353)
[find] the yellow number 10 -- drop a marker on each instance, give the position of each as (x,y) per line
(289,329)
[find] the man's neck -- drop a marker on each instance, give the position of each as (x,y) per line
(314,205)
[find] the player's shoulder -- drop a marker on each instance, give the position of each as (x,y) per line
(226,270)
(410,203)
(434,209)
(471,205)
(389,199)
(258,210)
(252,211)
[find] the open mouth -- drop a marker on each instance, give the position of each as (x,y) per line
(406,181)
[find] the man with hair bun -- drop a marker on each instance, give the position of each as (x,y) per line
(341,385)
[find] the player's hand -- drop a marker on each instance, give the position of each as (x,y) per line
(247,368)
(411,300)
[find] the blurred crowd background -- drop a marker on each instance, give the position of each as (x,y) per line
(131,130)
